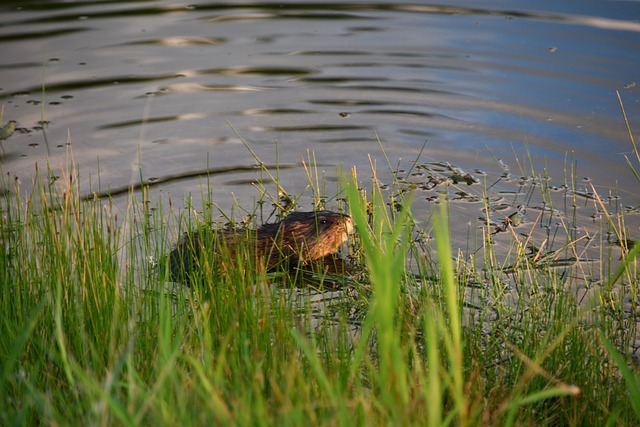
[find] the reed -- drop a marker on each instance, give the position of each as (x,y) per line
(93,333)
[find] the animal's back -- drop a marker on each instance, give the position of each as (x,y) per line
(300,237)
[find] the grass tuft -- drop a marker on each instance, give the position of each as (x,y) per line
(518,324)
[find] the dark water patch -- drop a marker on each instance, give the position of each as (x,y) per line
(328,53)
(258,71)
(364,29)
(20,66)
(138,122)
(4,38)
(275,111)
(350,102)
(125,12)
(52,5)
(403,112)
(312,128)
(420,133)
(90,84)
(284,15)
(337,80)
(408,86)
(177,177)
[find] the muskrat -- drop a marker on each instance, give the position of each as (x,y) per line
(299,238)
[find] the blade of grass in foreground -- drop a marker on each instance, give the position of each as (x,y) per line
(632,379)
(451,335)
(385,248)
(19,343)
(433,392)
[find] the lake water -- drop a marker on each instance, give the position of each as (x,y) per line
(161,91)
(165,83)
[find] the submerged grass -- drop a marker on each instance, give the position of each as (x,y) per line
(93,333)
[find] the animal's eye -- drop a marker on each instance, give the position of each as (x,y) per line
(323,221)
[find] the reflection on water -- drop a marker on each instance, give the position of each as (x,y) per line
(168,87)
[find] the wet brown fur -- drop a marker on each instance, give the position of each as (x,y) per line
(299,238)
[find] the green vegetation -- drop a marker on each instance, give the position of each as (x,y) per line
(92,333)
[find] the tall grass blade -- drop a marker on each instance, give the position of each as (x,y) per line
(632,379)
(385,248)
(9,362)
(453,333)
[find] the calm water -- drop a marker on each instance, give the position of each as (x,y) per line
(157,88)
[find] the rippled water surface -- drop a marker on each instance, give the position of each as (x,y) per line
(170,86)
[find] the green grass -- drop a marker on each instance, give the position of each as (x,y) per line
(92,333)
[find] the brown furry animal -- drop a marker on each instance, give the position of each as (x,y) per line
(299,238)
